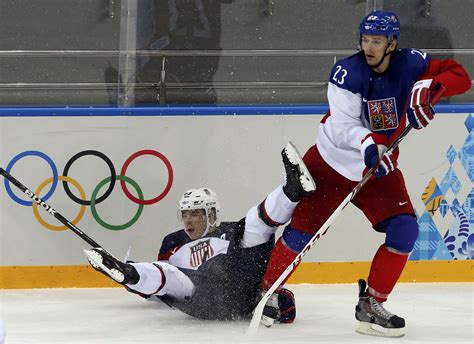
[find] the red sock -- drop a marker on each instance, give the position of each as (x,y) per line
(386,268)
(280,258)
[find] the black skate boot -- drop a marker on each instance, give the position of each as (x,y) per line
(107,264)
(299,182)
(370,312)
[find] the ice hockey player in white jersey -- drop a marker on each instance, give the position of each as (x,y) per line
(213,270)
(372,95)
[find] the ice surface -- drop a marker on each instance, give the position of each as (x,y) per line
(435,313)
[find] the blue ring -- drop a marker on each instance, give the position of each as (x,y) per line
(48,160)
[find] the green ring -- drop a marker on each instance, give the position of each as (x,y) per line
(125,225)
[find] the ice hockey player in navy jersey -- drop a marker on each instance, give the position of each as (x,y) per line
(213,270)
(369,94)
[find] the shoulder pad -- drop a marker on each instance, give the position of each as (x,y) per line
(348,73)
(174,239)
(415,59)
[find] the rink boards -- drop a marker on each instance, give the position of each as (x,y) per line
(235,153)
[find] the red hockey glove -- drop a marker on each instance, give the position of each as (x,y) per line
(375,155)
(422,98)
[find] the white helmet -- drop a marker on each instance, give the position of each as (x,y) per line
(203,198)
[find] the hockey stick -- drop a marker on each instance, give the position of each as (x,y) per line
(49,209)
(257,314)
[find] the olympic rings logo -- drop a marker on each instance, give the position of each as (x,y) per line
(95,199)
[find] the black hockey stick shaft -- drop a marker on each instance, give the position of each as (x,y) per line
(35,198)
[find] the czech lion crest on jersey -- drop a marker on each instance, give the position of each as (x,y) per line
(200,253)
(383,114)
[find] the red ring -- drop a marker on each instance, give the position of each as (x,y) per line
(168,185)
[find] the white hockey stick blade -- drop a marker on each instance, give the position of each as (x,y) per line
(127,255)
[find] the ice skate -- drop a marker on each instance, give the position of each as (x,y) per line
(299,182)
(105,263)
(374,319)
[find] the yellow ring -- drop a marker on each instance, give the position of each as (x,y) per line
(81,211)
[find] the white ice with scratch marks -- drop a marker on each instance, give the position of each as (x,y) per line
(435,313)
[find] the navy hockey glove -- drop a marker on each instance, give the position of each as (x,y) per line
(375,155)
(286,303)
(422,98)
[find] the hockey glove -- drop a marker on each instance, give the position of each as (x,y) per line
(420,110)
(375,155)
(286,304)
(280,307)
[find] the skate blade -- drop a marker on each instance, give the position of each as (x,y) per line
(379,331)
(267,321)
(95,259)
(306,180)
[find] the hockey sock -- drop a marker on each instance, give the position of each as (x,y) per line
(385,270)
(276,209)
(280,258)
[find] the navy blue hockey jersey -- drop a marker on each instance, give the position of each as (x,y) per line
(226,276)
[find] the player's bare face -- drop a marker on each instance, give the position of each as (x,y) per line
(195,222)
(375,47)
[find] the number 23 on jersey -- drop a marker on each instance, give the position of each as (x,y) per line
(339,75)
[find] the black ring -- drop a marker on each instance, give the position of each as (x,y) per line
(113,176)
